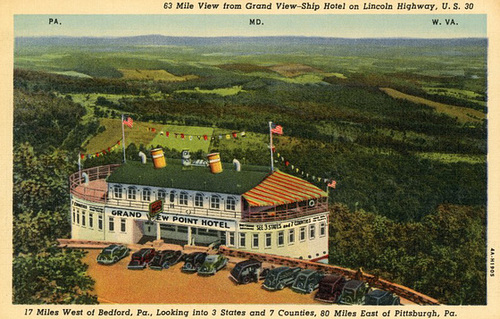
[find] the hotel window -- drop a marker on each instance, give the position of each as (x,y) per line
(231,238)
(281,238)
(91,220)
(146,195)
(255,242)
(74,215)
(291,236)
(131,191)
(78,217)
(172,197)
(230,203)
(183,198)
(302,233)
(312,231)
(162,194)
(83,218)
(322,229)
(118,191)
(243,241)
(268,240)
(111,224)
(215,202)
(99,222)
(123,225)
(198,200)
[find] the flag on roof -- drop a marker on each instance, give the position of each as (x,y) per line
(332,184)
(276,129)
(129,122)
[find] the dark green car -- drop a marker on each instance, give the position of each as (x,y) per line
(112,254)
(212,264)
(381,298)
(354,292)
(307,281)
(279,278)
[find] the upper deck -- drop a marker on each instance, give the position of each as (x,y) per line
(96,189)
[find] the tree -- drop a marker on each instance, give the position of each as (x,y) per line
(40,181)
(53,277)
(34,232)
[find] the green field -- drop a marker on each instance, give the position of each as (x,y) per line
(141,134)
(193,137)
(222,91)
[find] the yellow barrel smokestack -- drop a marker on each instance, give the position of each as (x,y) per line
(158,158)
(214,163)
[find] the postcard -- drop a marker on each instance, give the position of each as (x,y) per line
(265,159)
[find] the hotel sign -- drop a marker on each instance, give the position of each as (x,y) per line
(155,208)
(282,224)
(175,219)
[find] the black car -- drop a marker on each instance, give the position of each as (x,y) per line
(193,261)
(380,297)
(247,271)
(165,258)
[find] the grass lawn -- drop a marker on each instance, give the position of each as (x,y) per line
(193,137)
(141,133)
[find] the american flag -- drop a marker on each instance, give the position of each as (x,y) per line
(129,122)
(332,184)
(276,129)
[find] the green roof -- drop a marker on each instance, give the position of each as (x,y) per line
(229,181)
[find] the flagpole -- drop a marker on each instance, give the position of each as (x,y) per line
(80,165)
(271,145)
(123,141)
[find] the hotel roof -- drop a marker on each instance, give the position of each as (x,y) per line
(255,183)
(281,188)
(229,181)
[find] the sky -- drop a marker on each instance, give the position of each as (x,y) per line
(318,25)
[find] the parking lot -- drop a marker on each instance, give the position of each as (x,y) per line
(116,284)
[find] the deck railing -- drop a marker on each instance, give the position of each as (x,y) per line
(90,193)
(277,215)
(100,195)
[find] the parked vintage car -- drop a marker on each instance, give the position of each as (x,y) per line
(330,288)
(307,281)
(381,297)
(354,292)
(112,254)
(247,271)
(141,258)
(279,278)
(212,264)
(163,259)
(193,261)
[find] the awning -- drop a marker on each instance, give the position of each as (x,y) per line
(280,188)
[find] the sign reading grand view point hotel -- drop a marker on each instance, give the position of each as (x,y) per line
(212,223)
